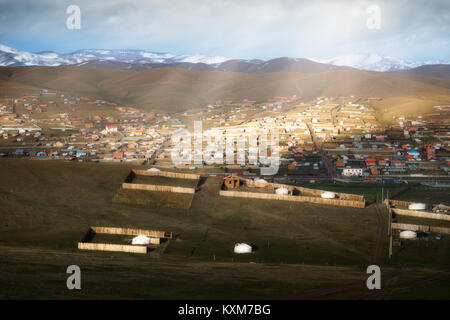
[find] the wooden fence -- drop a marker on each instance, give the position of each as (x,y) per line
(152,187)
(407,203)
(154,235)
(343,196)
(421,214)
(305,192)
(412,227)
(440,230)
(418,227)
(128,184)
(133,232)
(167,174)
(334,202)
(111,247)
(400,203)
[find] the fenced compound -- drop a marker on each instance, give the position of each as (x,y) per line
(111,247)
(394,204)
(255,195)
(418,227)
(132,232)
(128,184)
(342,196)
(298,194)
(393,208)
(153,187)
(399,203)
(154,235)
(421,214)
(167,174)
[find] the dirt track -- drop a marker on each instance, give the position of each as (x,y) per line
(381,224)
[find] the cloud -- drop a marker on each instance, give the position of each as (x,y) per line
(244,28)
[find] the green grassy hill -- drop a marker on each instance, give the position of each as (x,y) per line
(47,206)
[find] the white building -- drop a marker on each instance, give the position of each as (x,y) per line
(350,172)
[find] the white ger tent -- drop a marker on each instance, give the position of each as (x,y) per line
(282,191)
(242,248)
(408,234)
(328,195)
(417,206)
(141,240)
(260,181)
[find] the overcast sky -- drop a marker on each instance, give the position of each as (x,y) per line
(416,30)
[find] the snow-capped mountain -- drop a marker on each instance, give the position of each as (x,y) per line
(374,62)
(143,59)
(135,56)
(201,59)
(143,56)
(14,57)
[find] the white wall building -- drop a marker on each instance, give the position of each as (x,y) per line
(350,172)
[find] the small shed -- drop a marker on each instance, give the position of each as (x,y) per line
(292,165)
(232,182)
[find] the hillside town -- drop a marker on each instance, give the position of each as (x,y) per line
(325,139)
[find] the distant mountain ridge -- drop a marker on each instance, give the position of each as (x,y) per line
(435,70)
(144,56)
(14,57)
(128,59)
(374,62)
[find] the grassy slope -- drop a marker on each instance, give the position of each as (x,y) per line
(46,207)
(172,89)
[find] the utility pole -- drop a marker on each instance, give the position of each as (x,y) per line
(389,217)
(388,205)
(390,247)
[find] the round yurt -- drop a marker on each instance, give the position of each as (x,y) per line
(417,206)
(408,234)
(153,170)
(141,240)
(282,191)
(328,195)
(260,183)
(242,248)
